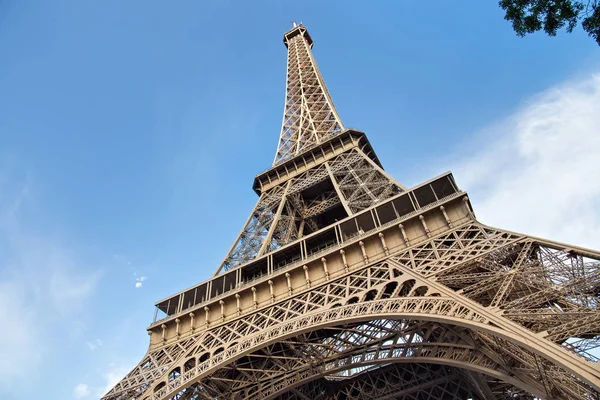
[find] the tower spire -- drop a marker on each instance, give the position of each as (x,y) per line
(313,182)
(309,116)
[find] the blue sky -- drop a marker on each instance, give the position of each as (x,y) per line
(130,133)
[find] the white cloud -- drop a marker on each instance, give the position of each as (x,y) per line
(20,341)
(94,344)
(43,288)
(81,391)
(112,376)
(68,291)
(538,171)
(139,280)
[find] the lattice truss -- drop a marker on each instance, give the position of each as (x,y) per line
(309,116)
(299,206)
(350,182)
(475,312)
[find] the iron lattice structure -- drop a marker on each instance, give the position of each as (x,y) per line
(344,284)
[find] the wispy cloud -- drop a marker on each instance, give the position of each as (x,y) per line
(94,344)
(43,287)
(81,391)
(139,280)
(538,171)
(20,342)
(125,262)
(112,376)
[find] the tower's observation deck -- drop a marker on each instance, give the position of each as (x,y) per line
(407,218)
(345,284)
(297,30)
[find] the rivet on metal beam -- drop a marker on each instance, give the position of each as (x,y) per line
(343,253)
(364,252)
(305,268)
(385,248)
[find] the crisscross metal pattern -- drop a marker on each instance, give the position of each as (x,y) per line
(309,115)
(454,260)
(433,304)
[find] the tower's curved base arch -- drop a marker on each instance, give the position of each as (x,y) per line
(414,330)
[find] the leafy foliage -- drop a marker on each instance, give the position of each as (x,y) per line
(528,16)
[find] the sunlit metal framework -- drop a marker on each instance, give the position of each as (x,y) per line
(343,284)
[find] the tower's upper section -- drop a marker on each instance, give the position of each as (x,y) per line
(309,116)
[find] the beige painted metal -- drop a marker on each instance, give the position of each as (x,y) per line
(345,284)
(309,116)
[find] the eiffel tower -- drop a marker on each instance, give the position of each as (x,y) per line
(344,284)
